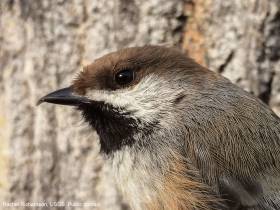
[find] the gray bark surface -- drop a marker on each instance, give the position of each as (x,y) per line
(241,40)
(51,155)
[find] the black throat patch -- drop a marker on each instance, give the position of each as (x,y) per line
(114,127)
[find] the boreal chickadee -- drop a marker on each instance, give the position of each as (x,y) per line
(177,135)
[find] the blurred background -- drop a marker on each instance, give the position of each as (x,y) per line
(46,154)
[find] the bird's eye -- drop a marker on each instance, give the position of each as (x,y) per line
(124,77)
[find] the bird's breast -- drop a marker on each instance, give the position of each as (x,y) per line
(153,186)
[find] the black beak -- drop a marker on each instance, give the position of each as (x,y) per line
(64,96)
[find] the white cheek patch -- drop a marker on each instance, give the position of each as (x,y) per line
(145,100)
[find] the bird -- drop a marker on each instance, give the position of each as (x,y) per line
(176,135)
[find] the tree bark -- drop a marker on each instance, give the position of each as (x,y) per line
(43,44)
(239,39)
(53,157)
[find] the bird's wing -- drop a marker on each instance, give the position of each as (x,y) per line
(241,159)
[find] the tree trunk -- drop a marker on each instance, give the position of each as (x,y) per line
(241,40)
(52,155)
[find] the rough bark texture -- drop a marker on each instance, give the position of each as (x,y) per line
(52,156)
(241,40)
(43,44)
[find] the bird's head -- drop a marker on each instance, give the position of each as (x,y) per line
(132,92)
